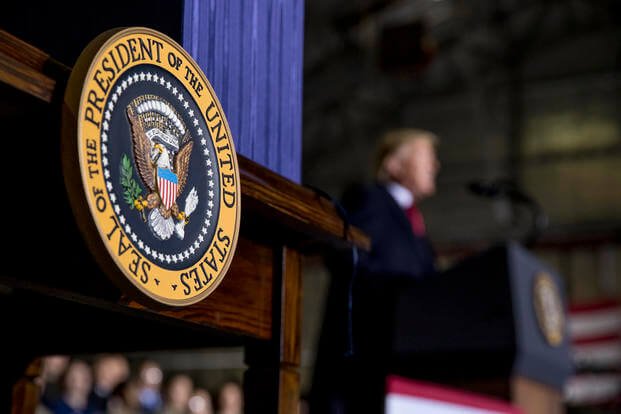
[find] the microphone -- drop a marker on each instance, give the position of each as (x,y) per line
(484,189)
(508,189)
(499,188)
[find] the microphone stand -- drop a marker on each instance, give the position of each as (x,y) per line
(539,220)
(508,189)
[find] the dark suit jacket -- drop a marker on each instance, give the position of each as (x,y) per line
(355,384)
(395,250)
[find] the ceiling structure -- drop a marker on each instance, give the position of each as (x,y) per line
(522,90)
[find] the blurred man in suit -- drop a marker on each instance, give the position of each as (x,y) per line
(406,169)
(355,339)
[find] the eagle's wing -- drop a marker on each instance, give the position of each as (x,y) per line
(141,146)
(191,201)
(182,163)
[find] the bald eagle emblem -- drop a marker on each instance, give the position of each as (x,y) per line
(161,147)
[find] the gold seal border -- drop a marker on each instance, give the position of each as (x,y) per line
(163,274)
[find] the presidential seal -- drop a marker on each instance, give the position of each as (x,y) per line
(149,154)
(549,309)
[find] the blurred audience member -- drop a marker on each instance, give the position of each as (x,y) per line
(303,406)
(230,399)
(200,402)
(77,384)
(126,399)
(150,385)
(72,387)
(51,388)
(178,395)
(109,371)
(42,409)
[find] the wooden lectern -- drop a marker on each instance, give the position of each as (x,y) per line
(55,299)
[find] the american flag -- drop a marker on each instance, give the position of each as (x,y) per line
(167,184)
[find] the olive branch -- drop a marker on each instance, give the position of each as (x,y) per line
(131,189)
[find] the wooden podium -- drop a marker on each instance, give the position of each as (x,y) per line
(55,299)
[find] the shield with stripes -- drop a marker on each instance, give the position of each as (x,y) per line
(167,184)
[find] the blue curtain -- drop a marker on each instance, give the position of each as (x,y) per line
(251,52)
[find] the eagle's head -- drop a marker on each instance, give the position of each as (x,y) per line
(162,156)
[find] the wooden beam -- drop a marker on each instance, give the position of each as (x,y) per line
(26,79)
(242,304)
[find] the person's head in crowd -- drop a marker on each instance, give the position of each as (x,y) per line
(109,371)
(77,384)
(408,157)
(151,377)
(200,402)
(126,398)
(178,394)
(151,374)
(230,398)
(52,369)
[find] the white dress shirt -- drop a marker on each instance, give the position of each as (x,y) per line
(403,196)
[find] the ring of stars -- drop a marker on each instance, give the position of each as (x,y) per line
(154,254)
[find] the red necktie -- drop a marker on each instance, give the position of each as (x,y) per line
(416,220)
